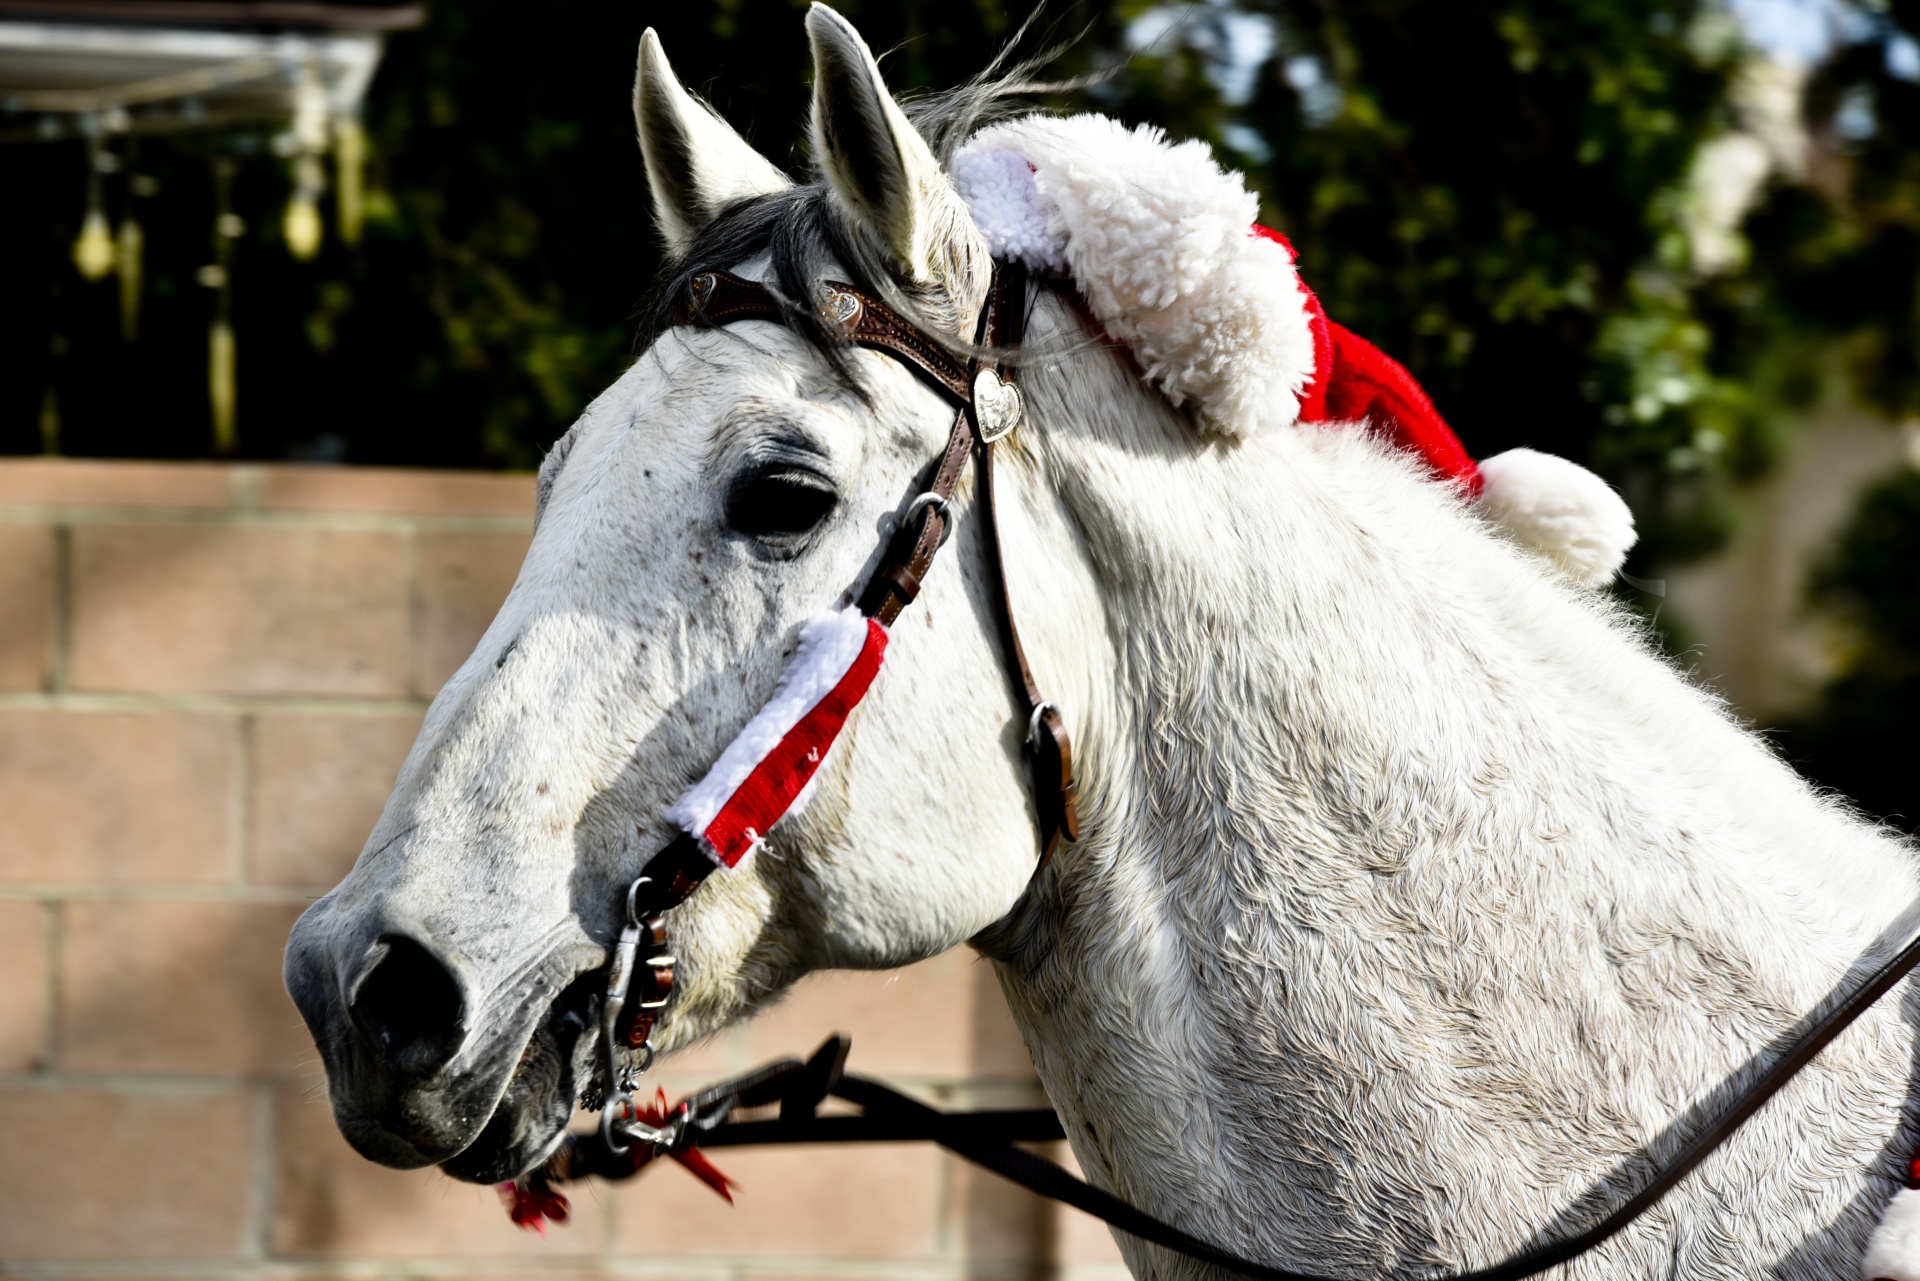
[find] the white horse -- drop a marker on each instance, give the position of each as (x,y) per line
(1417,904)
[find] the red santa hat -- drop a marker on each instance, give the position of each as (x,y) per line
(1163,245)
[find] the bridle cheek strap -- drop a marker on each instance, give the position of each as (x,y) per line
(765,771)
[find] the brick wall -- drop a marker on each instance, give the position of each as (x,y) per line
(208,677)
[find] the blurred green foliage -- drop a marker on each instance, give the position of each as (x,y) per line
(1837,274)
(508,243)
(1490,190)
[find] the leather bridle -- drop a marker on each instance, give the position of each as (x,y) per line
(988,408)
(641,973)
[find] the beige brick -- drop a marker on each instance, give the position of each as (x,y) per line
(330,1202)
(178,987)
(23,985)
(116,798)
(395,491)
(463,580)
(95,1175)
(76,482)
(696,1066)
(26,605)
(998,1048)
(878,1201)
(319,784)
(239,610)
(997,1222)
(943,1017)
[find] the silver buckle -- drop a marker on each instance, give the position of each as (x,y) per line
(619,1080)
(1033,721)
(940,509)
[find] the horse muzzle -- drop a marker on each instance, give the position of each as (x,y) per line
(422,1069)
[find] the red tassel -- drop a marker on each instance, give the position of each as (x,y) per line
(696,1160)
(532,1205)
(692,1158)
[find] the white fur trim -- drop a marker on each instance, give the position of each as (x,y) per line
(1560,509)
(829,643)
(1893,1252)
(1158,237)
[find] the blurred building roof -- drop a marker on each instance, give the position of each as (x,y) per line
(149,65)
(330,15)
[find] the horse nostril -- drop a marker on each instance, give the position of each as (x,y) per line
(409,1005)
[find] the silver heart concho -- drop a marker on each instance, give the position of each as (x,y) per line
(837,307)
(996,405)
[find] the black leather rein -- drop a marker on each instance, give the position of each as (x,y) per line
(987,1138)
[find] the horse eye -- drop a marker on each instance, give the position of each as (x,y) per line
(779,504)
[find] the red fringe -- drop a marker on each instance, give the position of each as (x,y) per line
(533,1203)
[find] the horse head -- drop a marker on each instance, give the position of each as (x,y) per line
(731,484)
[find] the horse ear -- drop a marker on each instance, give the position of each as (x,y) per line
(875,162)
(696,164)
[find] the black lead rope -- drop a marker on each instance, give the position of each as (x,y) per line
(986,1138)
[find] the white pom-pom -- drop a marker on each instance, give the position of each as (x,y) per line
(1560,509)
(1894,1252)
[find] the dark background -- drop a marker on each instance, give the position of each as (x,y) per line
(1489,189)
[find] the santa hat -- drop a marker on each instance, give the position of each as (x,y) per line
(1164,247)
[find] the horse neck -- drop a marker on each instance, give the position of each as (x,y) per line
(1384,827)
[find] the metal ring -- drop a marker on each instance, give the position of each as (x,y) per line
(633,915)
(1033,721)
(607,1123)
(940,509)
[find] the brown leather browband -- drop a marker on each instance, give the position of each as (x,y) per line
(714,298)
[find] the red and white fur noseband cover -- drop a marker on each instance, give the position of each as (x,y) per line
(765,771)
